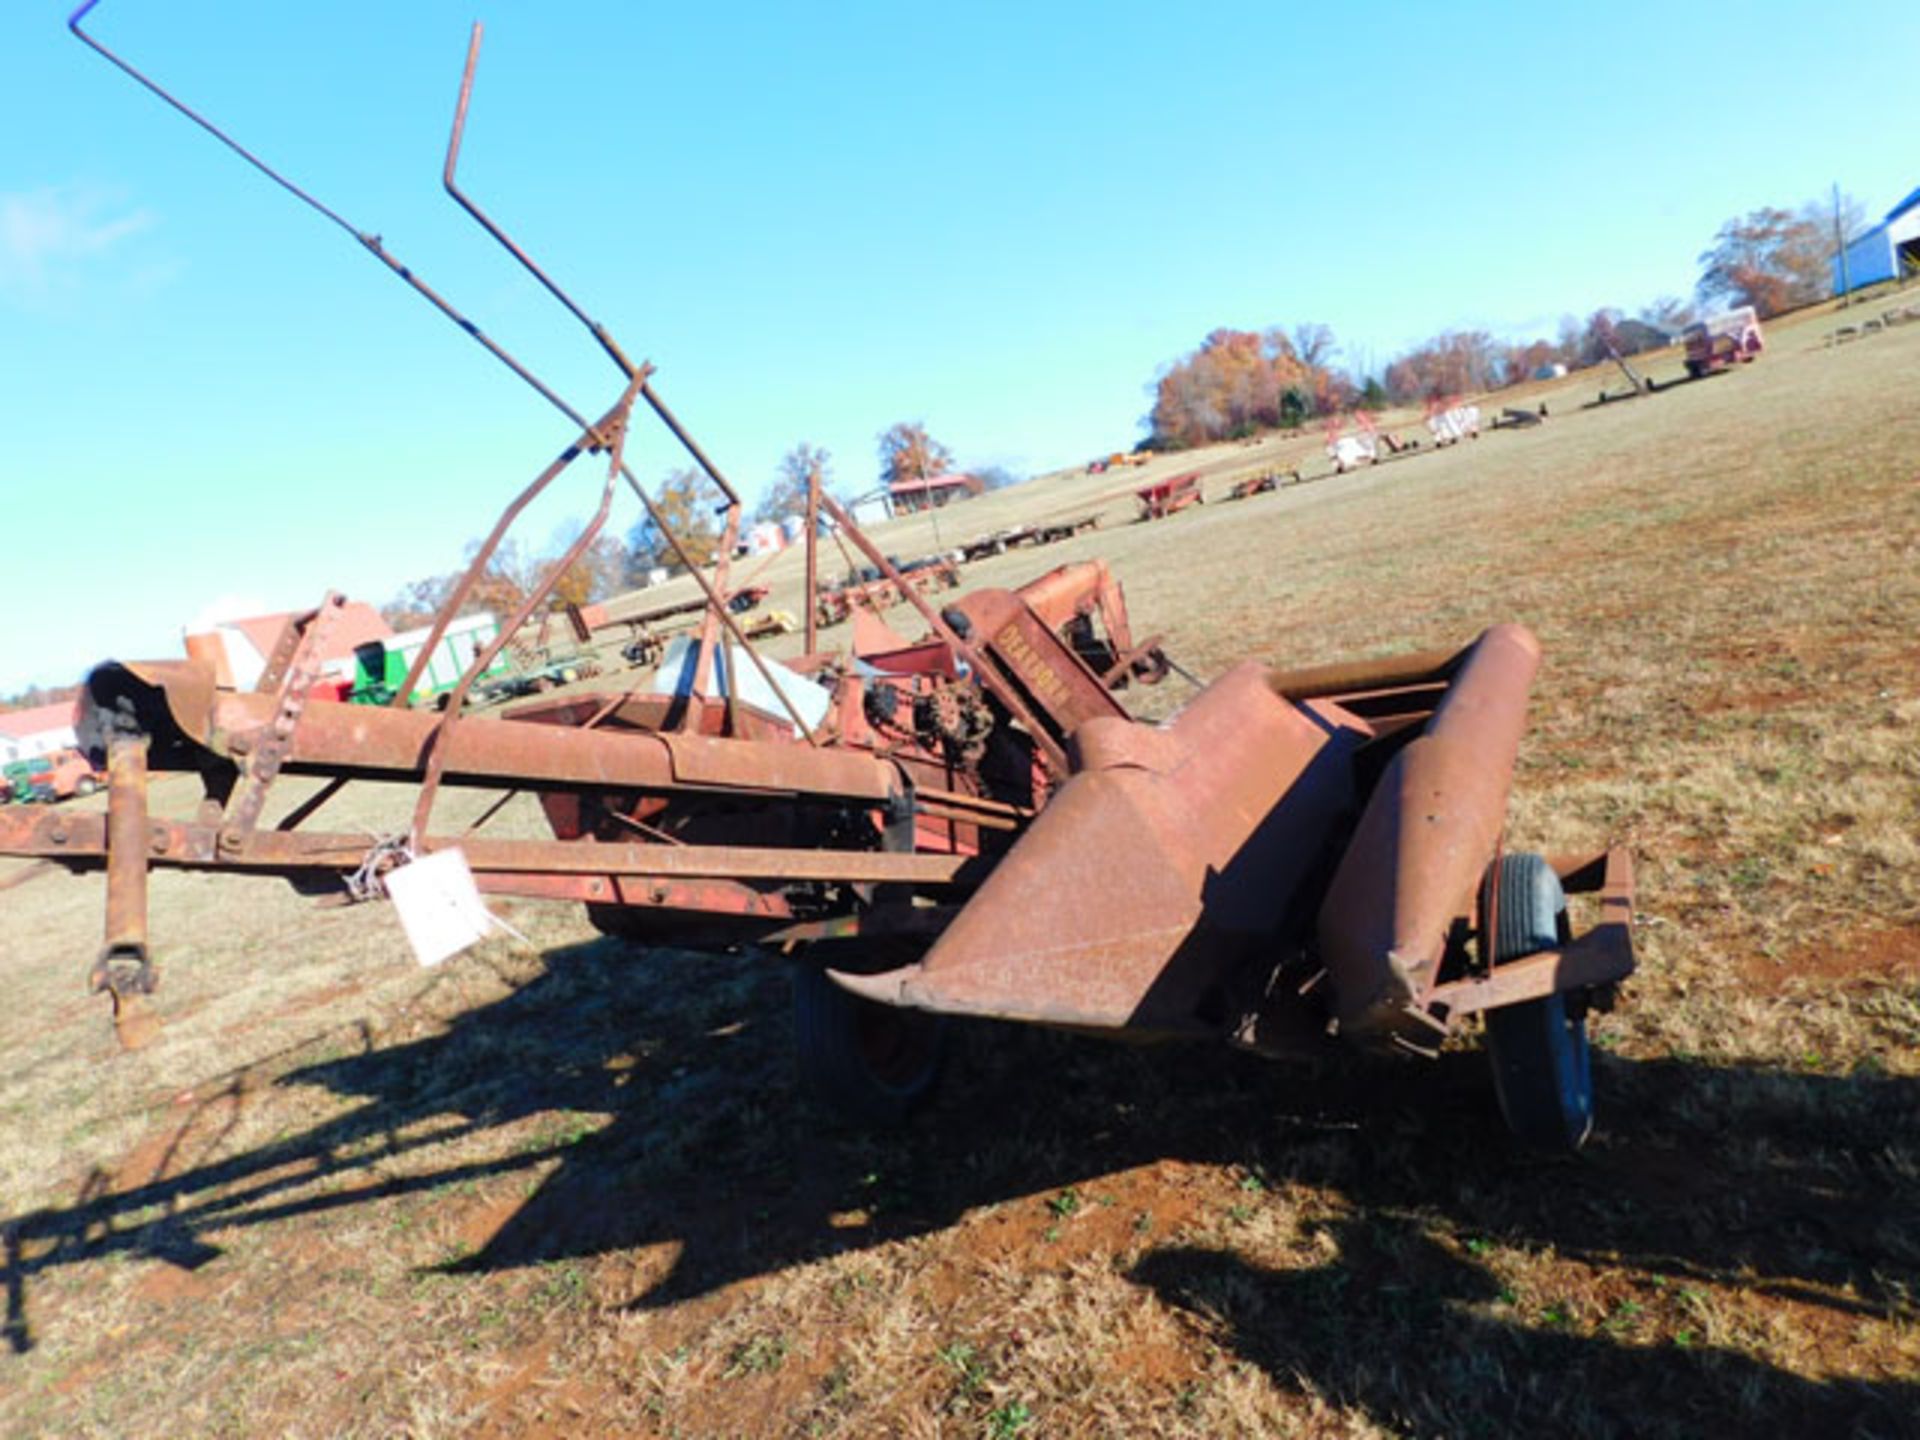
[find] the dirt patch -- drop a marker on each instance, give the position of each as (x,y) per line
(1157,1364)
(170,1285)
(498,1399)
(483,1221)
(1851,960)
(1760,701)
(299,1005)
(1110,1215)
(572,1192)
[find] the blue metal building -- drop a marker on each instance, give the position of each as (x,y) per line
(1887,251)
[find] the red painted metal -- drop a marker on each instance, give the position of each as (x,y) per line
(1169,854)
(1294,851)
(1170,496)
(1424,841)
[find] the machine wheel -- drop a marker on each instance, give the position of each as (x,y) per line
(1542,1067)
(85,786)
(873,1064)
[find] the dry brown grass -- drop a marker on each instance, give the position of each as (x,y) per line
(567,1188)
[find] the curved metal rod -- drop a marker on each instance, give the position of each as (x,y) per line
(372,244)
(448,178)
(486,222)
(615,420)
(73,24)
(437,747)
(369,241)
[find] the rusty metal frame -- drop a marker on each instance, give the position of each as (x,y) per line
(1601,957)
(89,839)
(985,670)
(611,435)
(1230,805)
(638,377)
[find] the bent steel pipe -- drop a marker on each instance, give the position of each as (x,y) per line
(1423,842)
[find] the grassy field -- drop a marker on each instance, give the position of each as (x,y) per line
(563,1187)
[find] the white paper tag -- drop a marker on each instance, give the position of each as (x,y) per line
(440,906)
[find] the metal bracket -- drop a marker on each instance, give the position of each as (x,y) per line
(293,671)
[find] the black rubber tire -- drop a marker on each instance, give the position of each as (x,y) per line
(869,1063)
(1542,1065)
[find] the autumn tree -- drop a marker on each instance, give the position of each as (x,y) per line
(788,493)
(499,590)
(1771,259)
(1523,361)
(417,602)
(687,504)
(1601,339)
(908,452)
(1669,313)
(1454,362)
(600,570)
(1238,382)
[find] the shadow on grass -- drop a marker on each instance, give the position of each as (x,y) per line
(1797,1185)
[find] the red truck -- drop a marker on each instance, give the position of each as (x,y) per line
(1721,341)
(58,776)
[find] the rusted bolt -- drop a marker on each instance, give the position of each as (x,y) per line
(239,745)
(229,839)
(658,894)
(58,835)
(161,840)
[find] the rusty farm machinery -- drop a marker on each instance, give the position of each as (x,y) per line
(971,823)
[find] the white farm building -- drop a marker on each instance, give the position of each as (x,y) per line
(41,730)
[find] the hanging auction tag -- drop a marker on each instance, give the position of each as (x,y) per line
(440,906)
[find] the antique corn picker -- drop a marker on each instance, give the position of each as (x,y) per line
(971,824)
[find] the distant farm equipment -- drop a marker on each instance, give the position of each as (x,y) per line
(1512,417)
(970,822)
(1169,497)
(436,657)
(1040,532)
(1247,486)
(1365,445)
(878,588)
(1717,342)
(44,779)
(1450,424)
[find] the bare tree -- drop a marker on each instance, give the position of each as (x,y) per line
(1314,345)
(788,493)
(908,452)
(1771,259)
(1669,313)
(1568,342)
(1601,339)
(685,501)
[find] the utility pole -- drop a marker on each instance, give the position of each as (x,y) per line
(1840,249)
(933,507)
(813,559)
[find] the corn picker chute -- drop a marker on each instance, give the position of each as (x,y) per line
(970,823)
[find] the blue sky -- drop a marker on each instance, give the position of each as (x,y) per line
(996,219)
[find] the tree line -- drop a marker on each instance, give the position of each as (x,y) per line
(1240,382)
(689,506)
